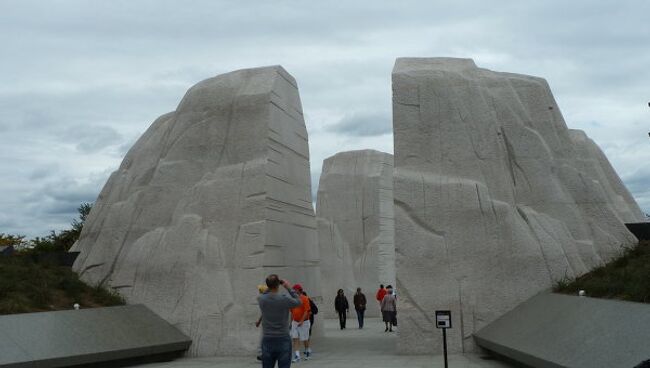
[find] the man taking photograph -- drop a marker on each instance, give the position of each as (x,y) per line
(275,307)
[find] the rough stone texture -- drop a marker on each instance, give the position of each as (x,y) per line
(495,199)
(356,225)
(591,160)
(551,330)
(213,197)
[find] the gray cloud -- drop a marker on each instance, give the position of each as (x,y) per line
(639,184)
(638,181)
(364,124)
(82,80)
(51,202)
(91,138)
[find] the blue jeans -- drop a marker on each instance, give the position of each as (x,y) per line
(276,349)
(360,314)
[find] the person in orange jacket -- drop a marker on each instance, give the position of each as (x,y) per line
(300,325)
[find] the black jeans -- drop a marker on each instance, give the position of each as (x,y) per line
(360,313)
(276,349)
(342,318)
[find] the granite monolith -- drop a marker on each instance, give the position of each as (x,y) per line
(356,225)
(495,199)
(213,197)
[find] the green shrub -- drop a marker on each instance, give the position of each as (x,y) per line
(63,240)
(71,286)
(16,241)
(26,286)
(626,277)
(107,297)
(14,304)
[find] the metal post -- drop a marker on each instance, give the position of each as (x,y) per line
(444,345)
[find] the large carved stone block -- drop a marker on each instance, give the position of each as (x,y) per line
(356,225)
(495,199)
(212,198)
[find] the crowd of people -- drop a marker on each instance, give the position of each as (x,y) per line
(287,319)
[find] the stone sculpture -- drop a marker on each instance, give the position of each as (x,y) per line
(591,160)
(355,225)
(212,198)
(495,199)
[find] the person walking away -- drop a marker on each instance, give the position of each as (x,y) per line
(300,325)
(261,289)
(342,307)
(389,309)
(359,306)
(275,307)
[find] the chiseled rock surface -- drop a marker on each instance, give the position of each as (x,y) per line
(495,199)
(356,225)
(591,160)
(213,197)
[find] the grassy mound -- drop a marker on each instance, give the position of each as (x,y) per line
(27,286)
(625,278)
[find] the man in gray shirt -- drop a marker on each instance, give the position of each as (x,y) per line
(275,306)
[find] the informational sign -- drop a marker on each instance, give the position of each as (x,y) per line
(443,319)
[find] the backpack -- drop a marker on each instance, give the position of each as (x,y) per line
(314,308)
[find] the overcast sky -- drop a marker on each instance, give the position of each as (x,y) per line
(81,80)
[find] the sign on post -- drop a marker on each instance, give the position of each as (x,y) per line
(443,321)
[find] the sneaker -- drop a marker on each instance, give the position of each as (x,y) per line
(307,355)
(296,359)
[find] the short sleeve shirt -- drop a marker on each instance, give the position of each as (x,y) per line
(298,312)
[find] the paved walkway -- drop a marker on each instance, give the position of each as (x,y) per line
(370,347)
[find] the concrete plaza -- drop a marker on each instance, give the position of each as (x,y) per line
(354,348)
